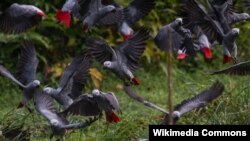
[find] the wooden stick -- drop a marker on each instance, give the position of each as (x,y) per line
(169,76)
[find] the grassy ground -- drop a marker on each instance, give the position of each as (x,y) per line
(233,107)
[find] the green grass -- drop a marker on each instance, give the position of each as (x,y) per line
(233,107)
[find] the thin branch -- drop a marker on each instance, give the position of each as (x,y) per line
(169,76)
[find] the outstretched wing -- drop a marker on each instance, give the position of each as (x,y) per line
(201,99)
(84,105)
(45,106)
(17,19)
(132,94)
(4,72)
(81,9)
(134,47)
(194,14)
(70,70)
(80,77)
(112,100)
(138,9)
(238,69)
(112,18)
(84,124)
(27,63)
(99,49)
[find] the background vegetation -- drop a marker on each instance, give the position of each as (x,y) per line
(56,45)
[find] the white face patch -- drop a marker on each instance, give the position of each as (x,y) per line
(176,114)
(179,20)
(236,30)
(96,92)
(107,64)
(54,122)
(47,90)
(36,82)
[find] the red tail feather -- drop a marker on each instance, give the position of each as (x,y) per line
(136,81)
(20,105)
(181,56)
(112,117)
(207,52)
(64,16)
(226,59)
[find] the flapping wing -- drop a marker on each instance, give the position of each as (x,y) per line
(45,106)
(196,15)
(27,63)
(230,15)
(134,47)
(99,49)
(4,72)
(80,77)
(201,99)
(238,69)
(112,18)
(84,124)
(138,9)
(112,100)
(16,19)
(132,94)
(84,105)
(162,39)
(187,41)
(81,9)
(95,5)
(70,70)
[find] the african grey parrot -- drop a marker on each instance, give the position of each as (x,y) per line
(196,102)
(241,69)
(223,12)
(26,73)
(122,61)
(202,42)
(72,82)
(19,18)
(94,104)
(176,35)
(215,30)
(88,11)
(135,11)
(44,104)
(227,8)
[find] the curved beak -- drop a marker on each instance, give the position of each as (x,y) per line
(42,14)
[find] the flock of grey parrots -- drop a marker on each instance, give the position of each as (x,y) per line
(198,28)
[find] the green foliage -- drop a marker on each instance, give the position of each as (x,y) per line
(56,45)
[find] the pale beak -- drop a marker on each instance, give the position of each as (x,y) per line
(42,14)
